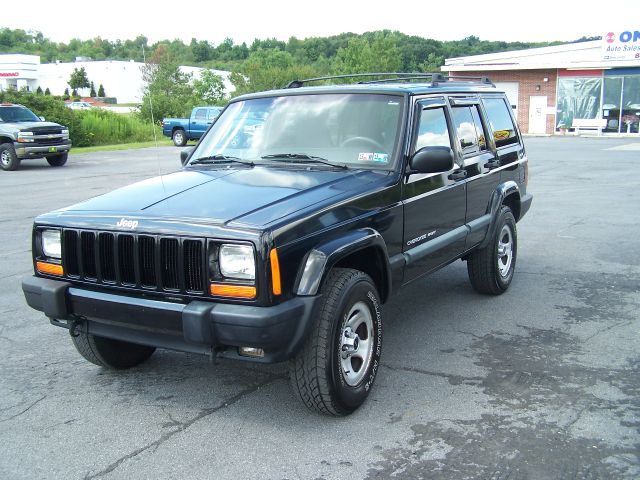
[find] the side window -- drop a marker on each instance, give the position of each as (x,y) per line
(213,114)
(482,139)
(201,114)
(466,129)
(504,131)
(433,131)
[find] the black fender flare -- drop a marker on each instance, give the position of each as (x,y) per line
(321,259)
(497,199)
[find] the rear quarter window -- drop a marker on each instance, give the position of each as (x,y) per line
(502,126)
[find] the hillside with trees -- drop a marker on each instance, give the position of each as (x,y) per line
(320,52)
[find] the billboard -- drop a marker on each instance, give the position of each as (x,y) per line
(621,45)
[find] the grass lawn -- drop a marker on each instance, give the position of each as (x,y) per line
(164,142)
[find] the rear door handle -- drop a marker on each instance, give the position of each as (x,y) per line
(492,164)
(458,175)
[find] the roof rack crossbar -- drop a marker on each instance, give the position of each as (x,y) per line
(398,75)
(480,79)
(435,78)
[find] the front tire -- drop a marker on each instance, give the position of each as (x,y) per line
(179,138)
(9,161)
(57,160)
(334,372)
(108,353)
(491,268)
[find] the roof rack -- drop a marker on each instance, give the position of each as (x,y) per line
(434,78)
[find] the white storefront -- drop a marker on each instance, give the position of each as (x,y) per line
(120,79)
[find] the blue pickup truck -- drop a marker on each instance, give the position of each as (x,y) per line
(183,129)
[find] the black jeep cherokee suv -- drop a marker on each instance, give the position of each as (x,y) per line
(293,220)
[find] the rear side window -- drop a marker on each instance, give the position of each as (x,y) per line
(213,113)
(466,129)
(201,114)
(504,131)
(433,131)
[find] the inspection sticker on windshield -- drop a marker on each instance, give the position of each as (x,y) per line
(373,157)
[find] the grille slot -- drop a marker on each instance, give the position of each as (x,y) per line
(126,259)
(107,254)
(147,259)
(169,262)
(88,247)
(70,260)
(193,269)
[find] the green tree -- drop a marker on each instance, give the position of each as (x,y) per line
(65,96)
(209,88)
(93,90)
(39,90)
(360,56)
(79,79)
(268,69)
(101,91)
(47,91)
(167,90)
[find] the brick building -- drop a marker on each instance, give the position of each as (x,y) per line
(591,86)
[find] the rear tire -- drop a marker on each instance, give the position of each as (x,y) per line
(57,160)
(179,138)
(108,353)
(335,370)
(491,268)
(9,161)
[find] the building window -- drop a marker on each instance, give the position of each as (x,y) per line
(621,103)
(579,98)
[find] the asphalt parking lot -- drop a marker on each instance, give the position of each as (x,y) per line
(540,383)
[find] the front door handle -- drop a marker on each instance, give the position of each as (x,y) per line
(458,175)
(492,164)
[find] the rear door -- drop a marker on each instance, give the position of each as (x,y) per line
(479,161)
(435,203)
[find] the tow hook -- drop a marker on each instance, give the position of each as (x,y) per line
(75,327)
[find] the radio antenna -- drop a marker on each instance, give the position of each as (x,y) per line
(153,127)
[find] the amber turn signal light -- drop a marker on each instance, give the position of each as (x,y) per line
(276,286)
(49,268)
(233,291)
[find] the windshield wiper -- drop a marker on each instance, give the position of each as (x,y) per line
(302,158)
(220,158)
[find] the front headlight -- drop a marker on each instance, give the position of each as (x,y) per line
(25,137)
(51,246)
(237,262)
(65,133)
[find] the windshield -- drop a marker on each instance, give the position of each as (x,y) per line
(353,130)
(17,114)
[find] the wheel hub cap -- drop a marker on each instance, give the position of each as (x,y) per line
(505,251)
(356,344)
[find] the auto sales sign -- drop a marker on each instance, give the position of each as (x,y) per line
(621,45)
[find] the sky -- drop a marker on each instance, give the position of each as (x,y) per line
(245,20)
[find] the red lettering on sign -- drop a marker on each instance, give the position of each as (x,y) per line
(9,74)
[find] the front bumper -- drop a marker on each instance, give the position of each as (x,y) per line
(197,327)
(26,150)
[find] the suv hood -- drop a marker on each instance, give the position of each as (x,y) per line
(241,197)
(17,126)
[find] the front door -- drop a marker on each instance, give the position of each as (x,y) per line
(434,203)
(538,114)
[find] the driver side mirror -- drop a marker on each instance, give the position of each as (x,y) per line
(41,118)
(431,160)
(184,154)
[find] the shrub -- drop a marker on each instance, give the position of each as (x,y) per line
(108,128)
(86,127)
